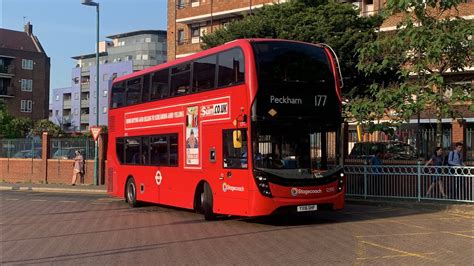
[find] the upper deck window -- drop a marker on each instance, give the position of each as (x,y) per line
(204,73)
(291,62)
(231,68)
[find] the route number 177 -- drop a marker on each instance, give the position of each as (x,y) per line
(320,100)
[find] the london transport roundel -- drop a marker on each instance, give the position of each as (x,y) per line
(158,177)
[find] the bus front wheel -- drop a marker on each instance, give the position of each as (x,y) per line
(131,193)
(207,203)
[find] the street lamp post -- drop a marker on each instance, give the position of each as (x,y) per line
(96,157)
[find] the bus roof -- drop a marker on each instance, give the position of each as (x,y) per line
(231,44)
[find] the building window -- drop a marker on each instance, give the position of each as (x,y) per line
(195,34)
(95,110)
(104,110)
(26,85)
(145,57)
(148,39)
(27,64)
(180,4)
(180,37)
(128,57)
(26,106)
(76,96)
(139,57)
(105,93)
(76,111)
(57,97)
(57,113)
(194,3)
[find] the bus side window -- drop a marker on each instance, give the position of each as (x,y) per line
(146,88)
(132,150)
(180,80)
(134,91)
(235,157)
(119,149)
(159,85)
(231,68)
(204,73)
(118,95)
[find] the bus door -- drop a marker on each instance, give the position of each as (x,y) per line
(234,181)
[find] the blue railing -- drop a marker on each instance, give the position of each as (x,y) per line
(411,182)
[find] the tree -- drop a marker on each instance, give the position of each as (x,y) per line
(11,127)
(429,45)
(336,24)
(45,125)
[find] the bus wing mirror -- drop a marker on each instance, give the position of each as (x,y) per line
(237,139)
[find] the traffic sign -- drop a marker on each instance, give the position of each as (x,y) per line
(95,132)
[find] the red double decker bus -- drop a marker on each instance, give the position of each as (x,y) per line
(249,128)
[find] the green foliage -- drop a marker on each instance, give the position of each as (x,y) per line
(336,24)
(425,50)
(11,127)
(45,125)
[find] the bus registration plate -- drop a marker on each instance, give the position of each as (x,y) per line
(307,208)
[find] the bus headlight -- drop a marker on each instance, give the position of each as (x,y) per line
(262,184)
(340,183)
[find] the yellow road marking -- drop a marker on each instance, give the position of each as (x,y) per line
(392,256)
(403,234)
(463,216)
(424,233)
(416,226)
(456,234)
(398,251)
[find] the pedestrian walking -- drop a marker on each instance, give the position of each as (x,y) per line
(455,160)
(78,169)
(437,160)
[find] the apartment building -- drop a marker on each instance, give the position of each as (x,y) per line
(75,107)
(24,73)
(188,20)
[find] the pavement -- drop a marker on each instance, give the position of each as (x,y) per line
(78,188)
(452,207)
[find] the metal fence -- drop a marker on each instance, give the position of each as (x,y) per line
(411,182)
(21,148)
(64,148)
(422,138)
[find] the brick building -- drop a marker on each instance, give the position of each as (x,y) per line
(188,20)
(24,74)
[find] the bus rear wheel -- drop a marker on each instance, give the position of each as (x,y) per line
(131,193)
(207,203)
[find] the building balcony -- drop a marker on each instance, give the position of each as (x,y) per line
(7,92)
(85,103)
(84,118)
(7,71)
(187,47)
(67,104)
(195,12)
(85,86)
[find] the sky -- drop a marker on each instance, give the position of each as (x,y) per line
(66,28)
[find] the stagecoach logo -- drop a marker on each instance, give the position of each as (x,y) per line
(158,177)
(298,191)
(226,187)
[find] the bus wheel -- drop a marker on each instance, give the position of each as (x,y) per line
(207,202)
(131,193)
